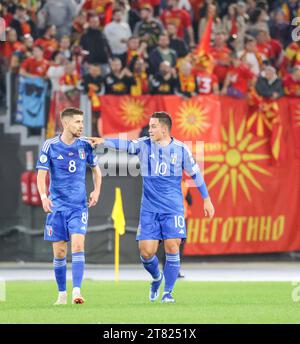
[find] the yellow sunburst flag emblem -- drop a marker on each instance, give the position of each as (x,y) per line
(132,111)
(191,119)
(237,164)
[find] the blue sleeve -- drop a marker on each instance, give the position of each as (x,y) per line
(193,170)
(200,183)
(91,159)
(131,147)
(43,162)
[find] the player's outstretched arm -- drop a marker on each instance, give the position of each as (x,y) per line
(94,141)
(41,184)
(132,147)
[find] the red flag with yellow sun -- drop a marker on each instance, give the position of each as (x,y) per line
(194,119)
(126,113)
(255,200)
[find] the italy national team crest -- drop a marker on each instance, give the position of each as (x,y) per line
(173,158)
(81,153)
(49,230)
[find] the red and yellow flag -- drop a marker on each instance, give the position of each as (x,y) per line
(125,113)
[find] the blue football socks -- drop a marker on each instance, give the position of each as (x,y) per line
(78,262)
(60,271)
(171,271)
(151,265)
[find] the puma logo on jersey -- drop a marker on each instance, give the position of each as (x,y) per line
(60,157)
(71,153)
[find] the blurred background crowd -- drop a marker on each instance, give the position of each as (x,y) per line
(148,47)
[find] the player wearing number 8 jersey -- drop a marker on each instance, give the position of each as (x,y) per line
(65,157)
(163,160)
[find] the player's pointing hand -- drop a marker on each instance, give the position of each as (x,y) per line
(209,209)
(95,141)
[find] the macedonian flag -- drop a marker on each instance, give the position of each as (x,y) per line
(126,113)
(194,119)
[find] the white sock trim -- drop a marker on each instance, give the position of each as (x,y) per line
(158,278)
(76,290)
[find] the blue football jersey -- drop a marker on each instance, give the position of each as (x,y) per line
(161,169)
(67,167)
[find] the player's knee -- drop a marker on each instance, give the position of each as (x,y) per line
(146,254)
(77,248)
(60,253)
(172,249)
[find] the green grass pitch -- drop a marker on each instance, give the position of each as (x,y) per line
(127,302)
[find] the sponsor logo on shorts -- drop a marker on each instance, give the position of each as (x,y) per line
(181,231)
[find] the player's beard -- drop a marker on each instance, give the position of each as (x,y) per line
(76,134)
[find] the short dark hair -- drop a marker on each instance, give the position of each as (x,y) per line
(39,47)
(70,111)
(163,117)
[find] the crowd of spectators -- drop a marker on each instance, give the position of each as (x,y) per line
(146,47)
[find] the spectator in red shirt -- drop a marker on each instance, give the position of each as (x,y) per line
(291,83)
(48,42)
(207,81)
(269,49)
(221,55)
(35,66)
(11,45)
(181,18)
(238,79)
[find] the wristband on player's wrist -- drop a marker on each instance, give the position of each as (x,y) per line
(43,196)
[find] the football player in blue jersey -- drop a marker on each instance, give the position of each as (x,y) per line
(65,157)
(163,159)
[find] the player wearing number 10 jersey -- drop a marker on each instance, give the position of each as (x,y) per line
(162,159)
(65,157)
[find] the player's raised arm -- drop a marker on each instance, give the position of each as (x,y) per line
(130,146)
(193,170)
